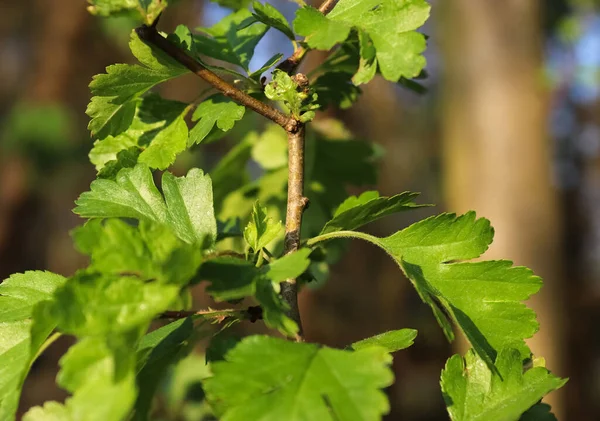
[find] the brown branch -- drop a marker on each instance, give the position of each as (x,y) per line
(151,36)
(296,203)
(290,64)
(252,313)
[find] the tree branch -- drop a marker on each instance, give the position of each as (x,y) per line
(296,203)
(290,64)
(151,36)
(252,314)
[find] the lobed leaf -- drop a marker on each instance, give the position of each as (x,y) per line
(146,10)
(116,92)
(474,392)
(299,381)
(355,211)
(261,229)
(148,251)
(187,207)
(482,298)
(386,30)
(225,41)
(231,278)
(100,304)
(218,111)
(272,17)
(23,329)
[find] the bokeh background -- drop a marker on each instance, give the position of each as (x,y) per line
(509,126)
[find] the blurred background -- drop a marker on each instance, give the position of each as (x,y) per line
(509,126)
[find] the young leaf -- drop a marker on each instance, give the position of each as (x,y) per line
(158,132)
(147,10)
(272,17)
(51,411)
(115,93)
(392,341)
(187,206)
(261,229)
(390,24)
(22,330)
(268,64)
(299,103)
(368,207)
(217,110)
(320,32)
(232,279)
(368,62)
(132,195)
(474,392)
(101,378)
(190,206)
(96,304)
(299,381)
(149,251)
(225,42)
(491,314)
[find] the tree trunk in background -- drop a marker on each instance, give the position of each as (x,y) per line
(496,149)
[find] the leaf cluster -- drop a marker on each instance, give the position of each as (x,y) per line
(149,243)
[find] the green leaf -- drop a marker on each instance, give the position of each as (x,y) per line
(190,206)
(225,42)
(268,64)
(298,101)
(230,172)
(22,330)
(391,28)
(261,229)
(100,304)
(491,314)
(183,393)
(368,62)
(116,92)
(272,17)
(147,251)
(336,89)
(538,412)
(474,392)
(392,341)
(157,351)
(51,411)
(289,266)
(233,4)
(271,149)
(101,378)
(158,131)
(355,212)
(320,32)
(132,195)
(146,10)
(231,278)
(187,206)
(299,381)
(217,110)
(390,24)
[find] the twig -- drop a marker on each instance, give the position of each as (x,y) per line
(252,314)
(151,36)
(296,203)
(290,64)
